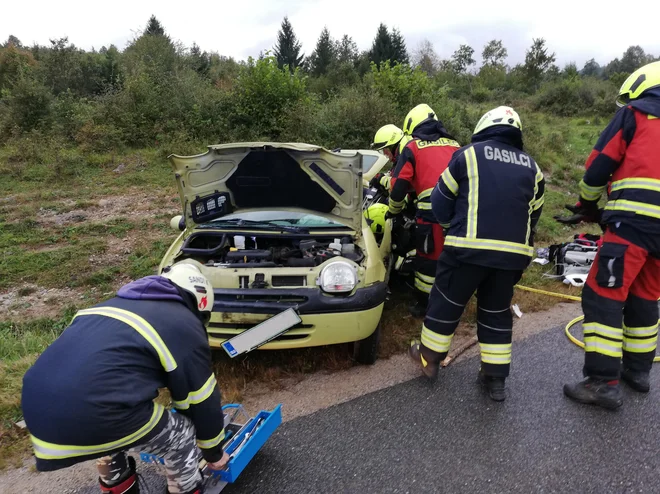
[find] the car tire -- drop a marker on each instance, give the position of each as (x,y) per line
(365,351)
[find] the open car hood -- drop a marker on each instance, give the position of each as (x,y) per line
(230,177)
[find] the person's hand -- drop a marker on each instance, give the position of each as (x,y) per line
(221,463)
(375,181)
(586,211)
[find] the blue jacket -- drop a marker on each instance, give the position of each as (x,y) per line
(490,198)
(91,392)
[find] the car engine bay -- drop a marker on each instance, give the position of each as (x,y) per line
(267,251)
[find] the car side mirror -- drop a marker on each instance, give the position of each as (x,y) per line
(178,223)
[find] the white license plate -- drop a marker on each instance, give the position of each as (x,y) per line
(262,333)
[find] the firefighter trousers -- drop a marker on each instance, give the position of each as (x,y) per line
(429,242)
(620,305)
(455,283)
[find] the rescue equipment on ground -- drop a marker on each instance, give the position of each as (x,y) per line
(244,437)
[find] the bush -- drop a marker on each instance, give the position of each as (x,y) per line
(404,86)
(576,96)
(351,118)
(261,98)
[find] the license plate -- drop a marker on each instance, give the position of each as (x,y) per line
(262,333)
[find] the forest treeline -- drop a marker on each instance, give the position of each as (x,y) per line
(157,92)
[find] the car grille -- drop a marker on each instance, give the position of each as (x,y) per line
(279,281)
(283,298)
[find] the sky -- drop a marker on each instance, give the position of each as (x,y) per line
(575,30)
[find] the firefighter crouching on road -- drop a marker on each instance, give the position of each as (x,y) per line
(620,297)
(90,394)
(489,199)
(417,169)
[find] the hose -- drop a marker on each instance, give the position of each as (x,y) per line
(551,294)
(567,328)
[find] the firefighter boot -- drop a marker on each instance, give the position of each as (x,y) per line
(126,484)
(637,380)
(418,309)
(494,385)
(592,391)
(429,363)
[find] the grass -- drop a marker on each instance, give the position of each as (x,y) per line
(41,183)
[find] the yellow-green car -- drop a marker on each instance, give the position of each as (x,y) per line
(280,225)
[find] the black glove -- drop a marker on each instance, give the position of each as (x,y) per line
(389,215)
(375,181)
(586,211)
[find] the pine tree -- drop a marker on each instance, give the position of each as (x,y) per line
(591,69)
(399,51)
(200,61)
(154,27)
(382,47)
(537,61)
(287,49)
(347,50)
(324,54)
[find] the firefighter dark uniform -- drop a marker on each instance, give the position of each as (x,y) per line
(489,199)
(418,168)
(620,297)
(90,394)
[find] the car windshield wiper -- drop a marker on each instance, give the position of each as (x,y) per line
(241,223)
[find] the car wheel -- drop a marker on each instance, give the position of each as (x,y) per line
(366,351)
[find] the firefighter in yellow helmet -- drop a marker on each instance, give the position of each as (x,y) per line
(619,299)
(418,168)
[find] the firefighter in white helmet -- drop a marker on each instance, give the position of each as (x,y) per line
(90,394)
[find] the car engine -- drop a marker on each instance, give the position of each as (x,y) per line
(237,251)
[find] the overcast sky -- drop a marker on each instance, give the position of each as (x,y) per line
(575,30)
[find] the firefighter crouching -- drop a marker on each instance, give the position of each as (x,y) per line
(489,199)
(90,394)
(620,297)
(417,169)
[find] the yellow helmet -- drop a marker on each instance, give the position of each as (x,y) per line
(404,141)
(639,81)
(388,135)
(375,215)
(502,115)
(420,114)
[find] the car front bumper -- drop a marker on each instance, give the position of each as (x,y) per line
(326,319)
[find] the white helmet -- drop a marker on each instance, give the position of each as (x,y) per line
(189,277)
(502,115)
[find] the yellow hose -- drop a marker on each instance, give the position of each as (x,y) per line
(572,323)
(581,343)
(551,294)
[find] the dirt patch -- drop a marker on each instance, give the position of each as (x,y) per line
(300,398)
(33,302)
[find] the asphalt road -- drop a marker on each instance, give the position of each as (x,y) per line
(449,437)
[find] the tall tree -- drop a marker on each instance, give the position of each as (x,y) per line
(426,58)
(13,41)
(347,50)
(200,61)
(399,51)
(381,49)
(288,48)
(633,58)
(537,60)
(154,27)
(570,70)
(462,58)
(591,69)
(494,53)
(324,53)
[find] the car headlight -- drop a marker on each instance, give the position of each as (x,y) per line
(338,277)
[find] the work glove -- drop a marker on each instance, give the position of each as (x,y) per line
(380,180)
(583,211)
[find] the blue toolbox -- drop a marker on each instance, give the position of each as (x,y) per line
(244,437)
